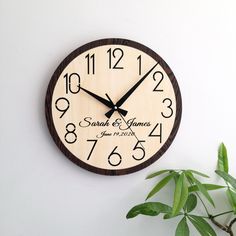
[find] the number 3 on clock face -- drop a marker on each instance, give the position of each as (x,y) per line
(113,106)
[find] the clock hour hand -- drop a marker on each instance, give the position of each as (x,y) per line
(115,108)
(103,101)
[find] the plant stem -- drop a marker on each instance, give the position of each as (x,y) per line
(232,222)
(226,228)
(191,183)
(223,213)
(203,204)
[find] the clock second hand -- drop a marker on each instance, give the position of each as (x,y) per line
(122,117)
(131,130)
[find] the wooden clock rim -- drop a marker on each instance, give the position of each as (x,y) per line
(59,70)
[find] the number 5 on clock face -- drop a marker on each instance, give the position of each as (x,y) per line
(113,106)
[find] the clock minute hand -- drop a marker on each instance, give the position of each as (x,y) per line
(125,97)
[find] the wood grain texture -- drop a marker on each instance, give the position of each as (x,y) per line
(66,62)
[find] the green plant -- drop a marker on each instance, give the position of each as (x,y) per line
(188,192)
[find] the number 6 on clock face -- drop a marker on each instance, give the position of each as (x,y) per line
(113,106)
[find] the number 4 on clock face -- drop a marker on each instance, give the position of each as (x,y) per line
(113,106)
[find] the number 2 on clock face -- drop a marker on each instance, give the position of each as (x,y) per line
(113,106)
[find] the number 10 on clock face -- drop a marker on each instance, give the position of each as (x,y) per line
(113,106)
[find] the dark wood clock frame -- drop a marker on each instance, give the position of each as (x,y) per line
(57,73)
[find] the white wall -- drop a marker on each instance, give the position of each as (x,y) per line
(44,194)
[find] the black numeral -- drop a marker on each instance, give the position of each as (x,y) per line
(90,63)
(62,105)
(72,83)
(114,161)
(139,58)
(139,148)
(168,100)
(158,76)
(94,144)
(70,136)
(115,57)
(157,131)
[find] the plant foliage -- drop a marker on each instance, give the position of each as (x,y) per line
(189,192)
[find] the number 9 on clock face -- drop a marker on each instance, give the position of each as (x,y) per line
(113,106)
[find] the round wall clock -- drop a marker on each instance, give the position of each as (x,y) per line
(113,106)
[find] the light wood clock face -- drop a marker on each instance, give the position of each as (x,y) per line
(113,106)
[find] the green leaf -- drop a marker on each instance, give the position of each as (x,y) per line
(232,198)
(191,203)
(202,226)
(169,215)
(222,158)
(157,173)
(198,173)
(160,185)
(227,177)
(182,228)
(176,177)
(149,208)
(201,188)
(208,187)
(180,195)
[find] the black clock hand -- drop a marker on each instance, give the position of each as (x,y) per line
(103,100)
(100,99)
(115,108)
(125,97)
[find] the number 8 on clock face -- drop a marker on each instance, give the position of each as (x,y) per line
(113,106)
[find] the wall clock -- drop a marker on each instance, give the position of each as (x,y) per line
(113,106)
